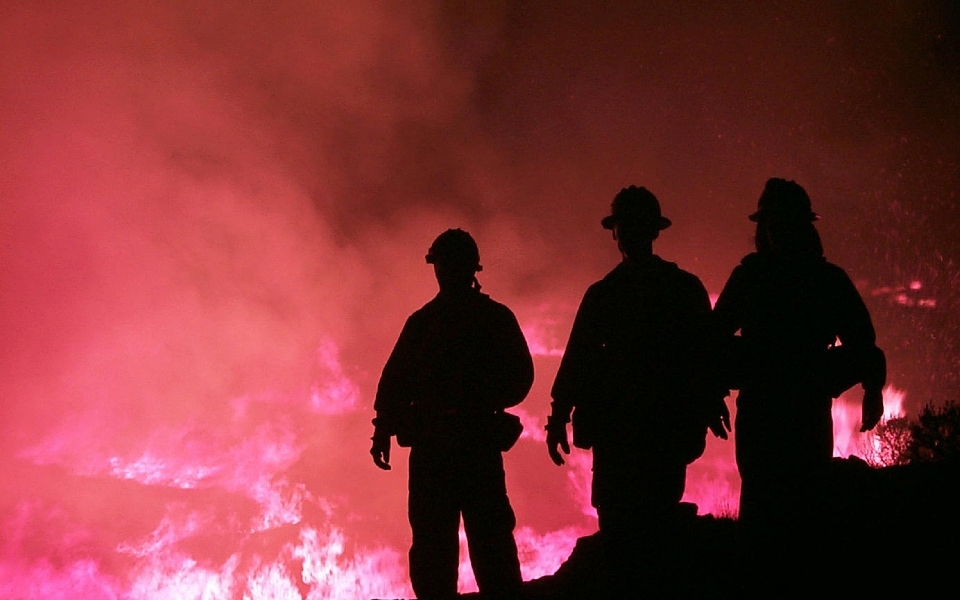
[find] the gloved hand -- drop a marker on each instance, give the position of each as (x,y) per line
(380,450)
(557,440)
(872,410)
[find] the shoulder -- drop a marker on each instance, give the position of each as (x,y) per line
(751,266)
(678,279)
(833,270)
(742,278)
(618,273)
(836,276)
(425,310)
(598,288)
(686,277)
(485,305)
(654,274)
(423,314)
(604,288)
(751,262)
(492,305)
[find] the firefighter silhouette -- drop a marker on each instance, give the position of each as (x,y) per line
(803,337)
(459,362)
(638,382)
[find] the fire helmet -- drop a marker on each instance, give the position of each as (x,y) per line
(635,206)
(455,247)
(784,201)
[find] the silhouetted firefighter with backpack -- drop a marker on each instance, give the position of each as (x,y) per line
(459,362)
(638,376)
(805,337)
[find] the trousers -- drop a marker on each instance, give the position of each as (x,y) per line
(449,483)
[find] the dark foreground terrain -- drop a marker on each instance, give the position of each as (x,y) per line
(888,532)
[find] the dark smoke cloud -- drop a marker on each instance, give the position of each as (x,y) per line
(212,210)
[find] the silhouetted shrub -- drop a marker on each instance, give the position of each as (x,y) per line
(935,435)
(890,443)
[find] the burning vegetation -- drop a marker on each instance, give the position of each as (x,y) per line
(212,220)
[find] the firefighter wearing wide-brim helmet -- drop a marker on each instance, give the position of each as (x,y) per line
(635,220)
(785,220)
(455,256)
(460,361)
(796,334)
(784,201)
(636,208)
(456,247)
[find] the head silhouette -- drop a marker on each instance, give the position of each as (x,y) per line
(783,200)
(455,259)
(635,220)
(785,219)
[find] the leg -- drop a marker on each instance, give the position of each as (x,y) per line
(488,520)
(434,519)
(640,522)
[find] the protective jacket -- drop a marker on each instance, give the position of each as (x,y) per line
(791,313)
(637,370)
(459,360)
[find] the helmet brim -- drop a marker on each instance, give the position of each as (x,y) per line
(755,217)
(611,221)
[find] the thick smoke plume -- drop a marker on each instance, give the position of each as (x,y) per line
(213,218)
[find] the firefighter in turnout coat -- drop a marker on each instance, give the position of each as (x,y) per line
(459,362)
(637,376)
(797,334)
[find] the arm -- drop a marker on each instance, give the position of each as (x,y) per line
(576,377)
(393,392)
(711,391)
(856,333)
(515,371)
(726,320)
(728,311)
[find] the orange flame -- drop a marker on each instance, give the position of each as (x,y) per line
(847,439)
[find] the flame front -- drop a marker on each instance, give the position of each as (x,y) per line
(213,224)
(847,438)
(237,515)
(231,523)
(233,515)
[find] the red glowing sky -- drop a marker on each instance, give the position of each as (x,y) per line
(214,215)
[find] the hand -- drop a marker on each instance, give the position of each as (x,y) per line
(557,440)
(380,450)
(719,423)
(872,410)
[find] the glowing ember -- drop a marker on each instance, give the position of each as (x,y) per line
(907,296)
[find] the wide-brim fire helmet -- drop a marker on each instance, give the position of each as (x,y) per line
(784,201)
(637,207)
(455,247)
